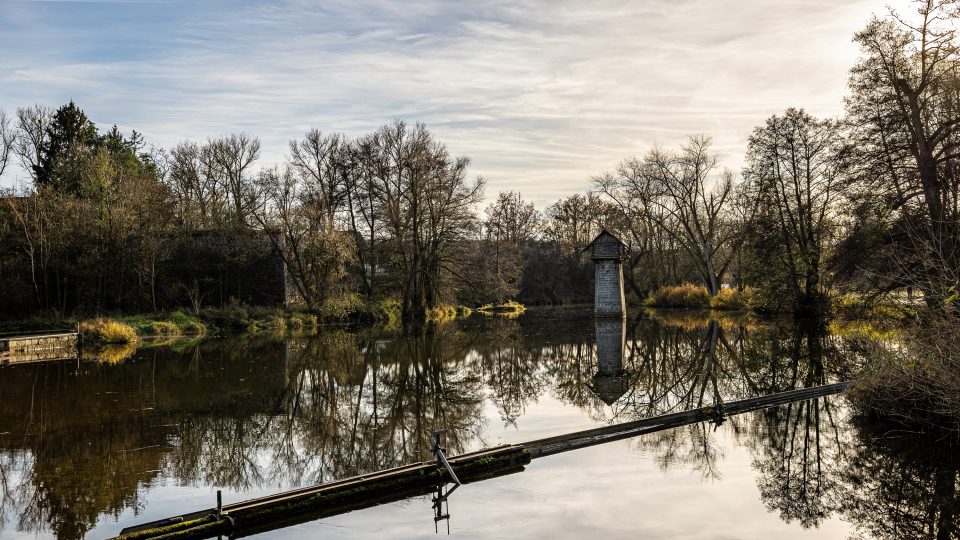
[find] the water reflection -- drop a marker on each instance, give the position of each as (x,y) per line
(82,441)
(904,487)
(797,451)
(611,381)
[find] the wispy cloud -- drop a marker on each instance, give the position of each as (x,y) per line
(541,95)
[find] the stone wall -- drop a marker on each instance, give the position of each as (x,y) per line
(608,285)
(16,349)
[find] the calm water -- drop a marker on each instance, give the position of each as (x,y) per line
(87,448)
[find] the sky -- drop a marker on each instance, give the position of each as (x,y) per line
(541,95)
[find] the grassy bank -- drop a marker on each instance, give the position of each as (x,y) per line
(853,313)
(174,324)
(234,318)
(128,330)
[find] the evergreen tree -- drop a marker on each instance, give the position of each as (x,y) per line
(71,138)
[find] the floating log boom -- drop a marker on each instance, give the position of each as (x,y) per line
(333,498)
(591,437)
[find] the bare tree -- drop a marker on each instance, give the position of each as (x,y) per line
(794,167)
(364,210)
(233,156)
(314,252)
(32,125)
(195,180)
(572,222)
(649,251)
(511,219)
(7,140)
(323,161)
(510,225)
(682,194)
(428,212)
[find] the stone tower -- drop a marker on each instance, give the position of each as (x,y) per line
(607,252)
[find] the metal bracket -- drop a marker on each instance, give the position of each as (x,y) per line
(438,452)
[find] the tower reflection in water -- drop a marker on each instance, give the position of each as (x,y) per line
(610,382)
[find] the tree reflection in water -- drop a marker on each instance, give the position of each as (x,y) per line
(901,487)
(82,441)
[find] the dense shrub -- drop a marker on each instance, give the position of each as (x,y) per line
(341,307)
(188,324)
(767,300)
(733,299)
(234,316)
(299,321)
(687,295)
(162,328)
(386,312)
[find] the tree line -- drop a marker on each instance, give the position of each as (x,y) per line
(865,203)
(110,223)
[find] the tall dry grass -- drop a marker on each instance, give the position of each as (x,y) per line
(690,296)
(732,299)
(686,295)
(103,330)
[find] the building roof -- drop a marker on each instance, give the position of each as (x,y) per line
(606,237)
(604,234)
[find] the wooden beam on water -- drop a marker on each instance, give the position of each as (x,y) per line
(591,437)
(332,498)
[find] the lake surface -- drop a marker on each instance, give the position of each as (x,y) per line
(90,447)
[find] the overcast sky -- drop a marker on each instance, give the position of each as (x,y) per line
(540,95)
